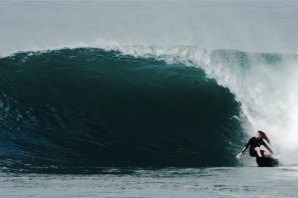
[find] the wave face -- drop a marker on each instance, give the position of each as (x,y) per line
(73,109)
(263,83)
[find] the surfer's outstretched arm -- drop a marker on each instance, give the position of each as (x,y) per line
(244,149)
(246,146)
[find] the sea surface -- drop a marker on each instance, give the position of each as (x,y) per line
(167,182)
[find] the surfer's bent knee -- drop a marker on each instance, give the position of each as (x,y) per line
(267,153)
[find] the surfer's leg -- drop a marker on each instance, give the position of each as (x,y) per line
(267,154)
(257,149)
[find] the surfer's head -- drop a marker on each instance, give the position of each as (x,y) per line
(261,134)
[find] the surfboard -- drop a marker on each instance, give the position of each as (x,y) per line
(267,162)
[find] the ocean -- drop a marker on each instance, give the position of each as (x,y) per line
(147,98)
(167,182)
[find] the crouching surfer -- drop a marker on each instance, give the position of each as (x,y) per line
(255,143)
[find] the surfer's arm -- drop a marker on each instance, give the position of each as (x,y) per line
(246,146)
(244,149)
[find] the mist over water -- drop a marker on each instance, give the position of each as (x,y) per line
(248,47)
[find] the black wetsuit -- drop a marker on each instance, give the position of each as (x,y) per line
(254,142)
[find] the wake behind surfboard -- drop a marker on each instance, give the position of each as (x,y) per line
(267,162)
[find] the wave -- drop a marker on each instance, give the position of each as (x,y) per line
(148,106)
(90,107)
(263,83)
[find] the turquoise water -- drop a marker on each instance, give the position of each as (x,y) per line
(90,107)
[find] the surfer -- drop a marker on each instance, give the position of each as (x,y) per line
(255,143)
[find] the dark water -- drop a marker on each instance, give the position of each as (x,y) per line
(74,109)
